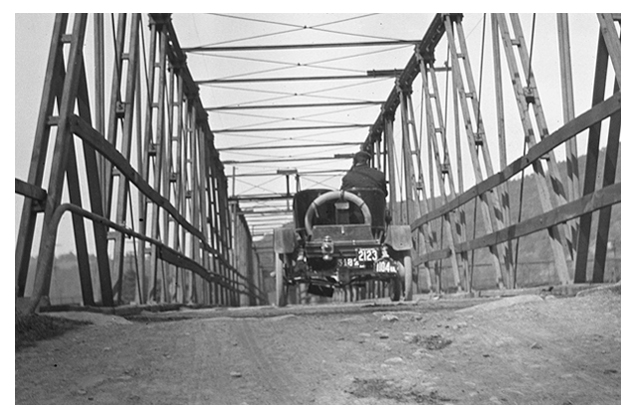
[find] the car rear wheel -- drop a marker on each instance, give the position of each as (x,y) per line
(281,287)
(396,289)
(409,278)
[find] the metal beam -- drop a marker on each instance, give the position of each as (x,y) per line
(260,197)
(29,190)
(291,128)
(269,221)
(425,48)
(292,106)
(298,46)
(247,213)
(281,160)
(368,74)
(288,146)
(301,173)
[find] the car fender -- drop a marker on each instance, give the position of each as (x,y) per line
(398,237)
(284,240)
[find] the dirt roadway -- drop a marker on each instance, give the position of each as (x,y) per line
(521,350)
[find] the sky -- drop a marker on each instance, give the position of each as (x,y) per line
(32,37)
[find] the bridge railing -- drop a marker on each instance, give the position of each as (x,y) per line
(426,167)
(155,186)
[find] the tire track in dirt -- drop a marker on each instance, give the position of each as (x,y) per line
(199,352)
(208,381)
(269,375)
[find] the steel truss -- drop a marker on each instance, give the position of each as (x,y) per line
(567,209)
(153,178)
(156,149)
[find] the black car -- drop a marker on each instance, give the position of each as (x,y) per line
(342,238)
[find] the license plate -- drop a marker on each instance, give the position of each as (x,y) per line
(384,266)
(367,254)
(363,255)
(350,262)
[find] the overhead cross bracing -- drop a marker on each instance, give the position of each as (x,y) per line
(328,67)
(481,100)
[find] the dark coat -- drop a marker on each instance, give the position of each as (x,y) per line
(364,176)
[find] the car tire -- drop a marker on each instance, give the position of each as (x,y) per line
(409,278)
(396,289)
(281,287)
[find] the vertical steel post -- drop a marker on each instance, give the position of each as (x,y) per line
(568,106)
(443,171)
(414,182)
(159,166)
(613,44)
(504,188)
(524,98)
(125,115)
(59,162)
(149,154)
(53,79)
(489,204)
(592,155)
(114,112)
(610,170)
(391,167)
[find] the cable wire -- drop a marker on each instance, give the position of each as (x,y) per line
(258,20)
(528,77)
(249,38)
(344,20)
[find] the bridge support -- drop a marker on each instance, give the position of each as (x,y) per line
(158,150)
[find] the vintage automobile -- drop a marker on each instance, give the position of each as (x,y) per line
(342,238)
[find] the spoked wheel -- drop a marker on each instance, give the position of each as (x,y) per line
(396,289)
(281,286)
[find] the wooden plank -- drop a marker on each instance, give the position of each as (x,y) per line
(95,140)
(600,199)
(29,190)
(167,253)
(598,113)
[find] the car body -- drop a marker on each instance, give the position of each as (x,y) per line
(342,238)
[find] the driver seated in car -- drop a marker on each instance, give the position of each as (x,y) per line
(361,175)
